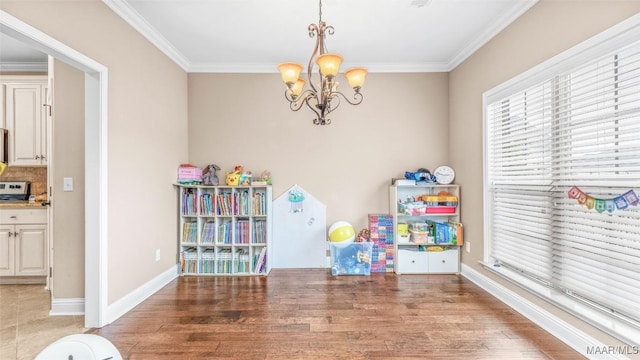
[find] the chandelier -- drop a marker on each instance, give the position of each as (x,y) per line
(325,98)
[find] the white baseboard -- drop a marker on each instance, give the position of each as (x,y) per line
(134,298)
(67,307)
(565,332)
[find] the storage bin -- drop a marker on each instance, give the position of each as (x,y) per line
(403,238)
(189,173)
(440,200)
(420,226)
(352,259)
(441,209)
(419,237)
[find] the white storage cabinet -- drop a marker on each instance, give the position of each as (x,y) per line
(412,258)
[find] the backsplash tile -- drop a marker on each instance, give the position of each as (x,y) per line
(37,176)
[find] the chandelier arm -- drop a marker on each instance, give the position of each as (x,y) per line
(333,102)
(320,119)
(296,104)
(315,30)
(357,97)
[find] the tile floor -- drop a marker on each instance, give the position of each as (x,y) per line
(25,325)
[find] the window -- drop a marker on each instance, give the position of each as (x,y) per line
(560,146)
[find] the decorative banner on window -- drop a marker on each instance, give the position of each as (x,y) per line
(620,202)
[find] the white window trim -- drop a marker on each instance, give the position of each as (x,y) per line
(615,37)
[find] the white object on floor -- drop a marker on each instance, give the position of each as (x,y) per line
(80,346)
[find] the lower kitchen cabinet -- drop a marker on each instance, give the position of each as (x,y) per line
(23,247)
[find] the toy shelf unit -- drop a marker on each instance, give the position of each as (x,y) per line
(224,230)
(428,232)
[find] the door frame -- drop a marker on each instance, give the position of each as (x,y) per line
(95,143)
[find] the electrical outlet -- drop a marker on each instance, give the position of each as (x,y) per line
(468,246)
(157,254)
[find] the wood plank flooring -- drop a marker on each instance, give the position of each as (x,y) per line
(309,314)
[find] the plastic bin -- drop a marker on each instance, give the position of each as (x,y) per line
(352,259)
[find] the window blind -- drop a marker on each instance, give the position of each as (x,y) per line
(580,128)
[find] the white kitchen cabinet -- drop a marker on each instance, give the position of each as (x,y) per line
(23,243)
(26,119)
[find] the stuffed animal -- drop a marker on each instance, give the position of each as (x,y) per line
(233,178)
(209,176)
(266,177)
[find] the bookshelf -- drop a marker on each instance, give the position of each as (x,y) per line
(224,230)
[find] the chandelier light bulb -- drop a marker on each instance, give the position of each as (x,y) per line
(356,77)
(297,87)
(290,72)
(329,64)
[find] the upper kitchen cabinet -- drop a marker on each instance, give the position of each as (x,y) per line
(26,110)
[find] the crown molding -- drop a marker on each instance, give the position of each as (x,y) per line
(518,8)
(271,68)
(133,18)
(26,67)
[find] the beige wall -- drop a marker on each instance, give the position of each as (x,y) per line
(147,133)
(67,160)
(547,29)
(348,165)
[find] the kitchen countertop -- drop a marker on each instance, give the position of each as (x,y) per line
(21,205)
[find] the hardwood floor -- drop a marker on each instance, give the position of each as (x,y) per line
(309,314)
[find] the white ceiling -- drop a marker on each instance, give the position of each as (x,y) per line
(256,35)
(17,56)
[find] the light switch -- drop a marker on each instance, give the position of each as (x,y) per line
(68,184)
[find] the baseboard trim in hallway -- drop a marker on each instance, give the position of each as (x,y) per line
(67,306)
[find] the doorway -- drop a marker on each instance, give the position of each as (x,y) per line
(95,138)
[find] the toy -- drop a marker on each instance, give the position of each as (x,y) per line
(363,236)
(266,177)
(245,178)
(421,175)
(209,176)
(296,197)
(233,178)
(341,234)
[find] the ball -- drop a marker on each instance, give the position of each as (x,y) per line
(341,234)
